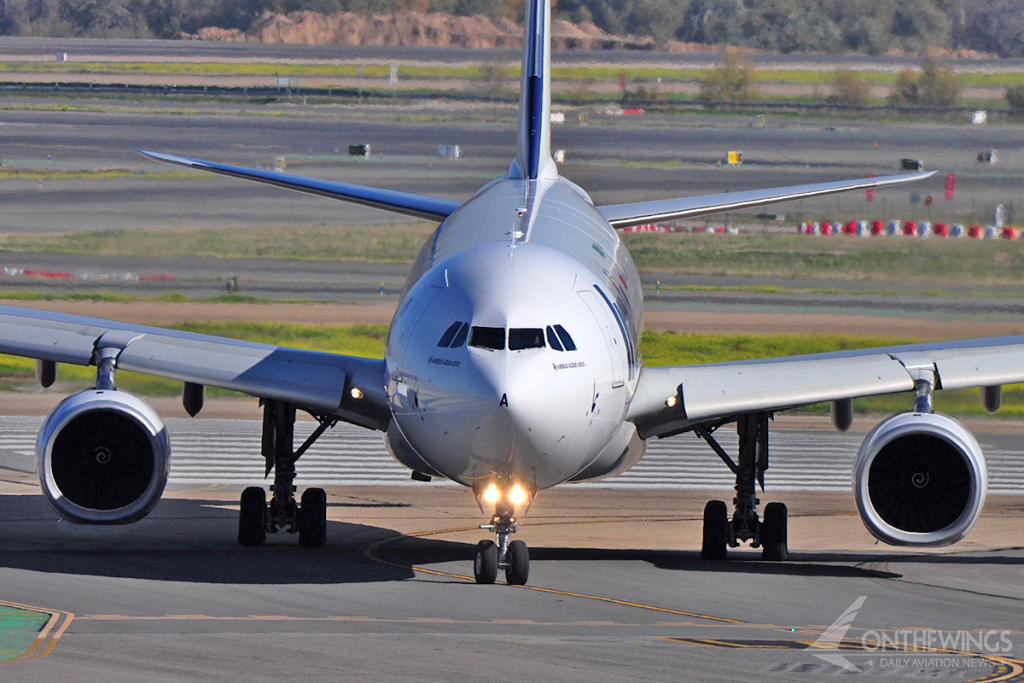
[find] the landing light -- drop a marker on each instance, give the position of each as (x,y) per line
(356,393)
(491,495)
(517,495)
(671,401)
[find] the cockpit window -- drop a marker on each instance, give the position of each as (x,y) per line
(446,338)
(567,341)
(553,340)
(460,338)
(487,338)
(525,338)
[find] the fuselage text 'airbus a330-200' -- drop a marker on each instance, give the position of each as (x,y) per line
(512,365)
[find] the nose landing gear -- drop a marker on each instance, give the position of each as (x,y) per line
(513,557)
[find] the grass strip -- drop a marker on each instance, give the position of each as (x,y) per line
(895,260)
(658,348)
(101,174)
(388,243)
(483,72)
(892,260)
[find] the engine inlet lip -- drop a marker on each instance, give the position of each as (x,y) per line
(76,406)
(930,424)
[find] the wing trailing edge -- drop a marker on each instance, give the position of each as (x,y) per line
(406,203)
(638,213)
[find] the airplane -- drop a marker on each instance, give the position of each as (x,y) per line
(512,365)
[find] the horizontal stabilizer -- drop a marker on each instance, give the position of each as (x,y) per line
(638,213)
(407,203)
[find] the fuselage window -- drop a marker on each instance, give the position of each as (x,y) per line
(567,341)
(487,338)
(460,338)
(446,338)
(525,338)
(553,340)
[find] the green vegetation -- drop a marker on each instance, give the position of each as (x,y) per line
(888,260)
(849,87)
(732,81)
(1015,97)
(658,348)
(103,174)
(396,243)
(829,26)
(929,263)
(935,86)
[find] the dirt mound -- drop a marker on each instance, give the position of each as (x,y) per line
(414,29)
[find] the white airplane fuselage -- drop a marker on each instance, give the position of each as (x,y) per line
(520,259)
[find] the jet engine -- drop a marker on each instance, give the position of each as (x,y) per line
(103,457)
(920,480)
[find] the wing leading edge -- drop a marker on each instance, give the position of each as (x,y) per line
(638,213)
(720,390)
(407,203)
(316,381)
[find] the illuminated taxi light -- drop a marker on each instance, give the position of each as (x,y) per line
(356,393)
(671,401)
(491,495)
(517,495)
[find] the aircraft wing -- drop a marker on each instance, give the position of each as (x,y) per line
(407,203)
(672,399)
(638,213)
(319,382)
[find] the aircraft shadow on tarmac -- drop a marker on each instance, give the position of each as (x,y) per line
(184,540)
(194,541)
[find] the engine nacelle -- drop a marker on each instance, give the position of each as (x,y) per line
(103,457)
(920,479)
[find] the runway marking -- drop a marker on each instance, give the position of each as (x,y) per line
(1007,668)
(223,451)
(369,552)
(48,635)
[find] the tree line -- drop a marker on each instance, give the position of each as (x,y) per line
(829,26)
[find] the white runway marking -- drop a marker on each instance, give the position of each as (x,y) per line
(228,452)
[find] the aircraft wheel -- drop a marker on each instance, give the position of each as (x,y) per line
(716,526)
(485,564)
(313,518)
(252,525)
(518,557)
(774,534)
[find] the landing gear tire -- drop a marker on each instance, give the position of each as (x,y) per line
(252,525)
(313,518)
(485,564)
(517,558)
(774,535)
(716,526)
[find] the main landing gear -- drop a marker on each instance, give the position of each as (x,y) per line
(513,557)
(720,532)
(308,518)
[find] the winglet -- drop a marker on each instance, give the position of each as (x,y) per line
(533,154)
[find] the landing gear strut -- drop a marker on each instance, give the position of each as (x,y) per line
(257,518)
(513,557)
(720,532)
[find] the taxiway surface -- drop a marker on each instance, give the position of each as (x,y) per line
(617,590)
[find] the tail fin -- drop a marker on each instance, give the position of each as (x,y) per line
(533,155)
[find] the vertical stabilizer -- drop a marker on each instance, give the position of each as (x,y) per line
(533,155)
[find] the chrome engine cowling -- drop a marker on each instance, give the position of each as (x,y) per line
(103,457)
(920,480)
